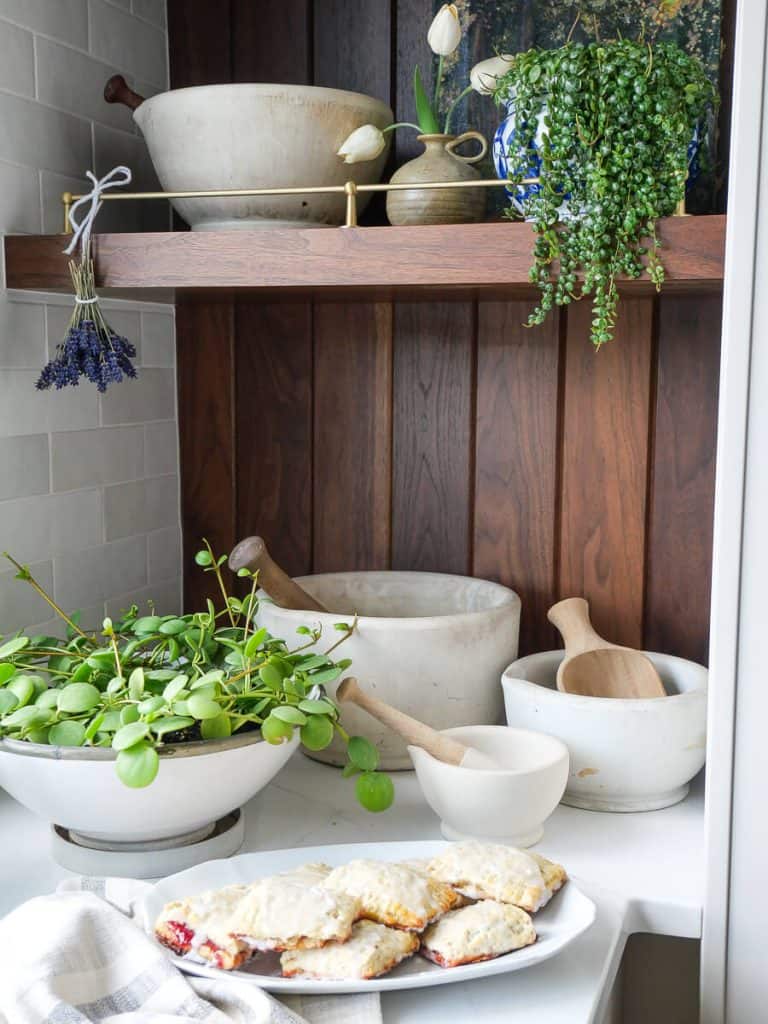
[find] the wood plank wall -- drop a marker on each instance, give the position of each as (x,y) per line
(443,435)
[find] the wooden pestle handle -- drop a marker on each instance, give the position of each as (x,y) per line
(571,617)
(252,554)
(117,90)
(414,732)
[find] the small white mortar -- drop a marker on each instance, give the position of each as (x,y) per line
(505,806)
(626,755)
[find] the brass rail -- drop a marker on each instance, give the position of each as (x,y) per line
(350,189)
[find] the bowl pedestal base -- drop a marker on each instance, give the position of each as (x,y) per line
(89,855)
(519,839)
(626,805)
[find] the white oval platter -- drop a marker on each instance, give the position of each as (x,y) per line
(565,917)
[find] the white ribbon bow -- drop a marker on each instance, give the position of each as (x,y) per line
(116,178)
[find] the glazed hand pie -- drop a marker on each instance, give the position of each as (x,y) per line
(485,871)
(201,925)
(281,913)
(481,932)
(392,894)
(309,874)
(373,949)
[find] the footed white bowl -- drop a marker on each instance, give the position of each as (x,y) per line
(242,136)
(626,755)
(431,644)
(197,784)
(505,806)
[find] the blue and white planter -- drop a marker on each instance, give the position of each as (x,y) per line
(519,195)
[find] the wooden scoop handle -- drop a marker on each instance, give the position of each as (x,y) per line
(571,617)
(414,732)
(252,554)
(117,90)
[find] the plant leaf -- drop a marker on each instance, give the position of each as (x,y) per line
(363,754)
(77,697)
(67,734)
(127,735)
(173,723)
(424,113)
(217,728)
(137,766)
(287,713)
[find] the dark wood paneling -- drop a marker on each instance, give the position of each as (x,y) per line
(412,21)
(271,41)
(683,476)
(605,469)
(432,436)
(516,461)
(274,429)
(205,345)
(198,43)
(352,45)
(352,436)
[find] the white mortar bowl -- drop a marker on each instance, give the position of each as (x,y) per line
(626,755)
(196,785)
(259,136)
(433,645)
(505,806)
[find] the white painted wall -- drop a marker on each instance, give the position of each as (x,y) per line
(88,484)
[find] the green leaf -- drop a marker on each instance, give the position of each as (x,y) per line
(130,713)
(130,734)
(375,791)
(216,728)
(8,702)
(317,707)
(7,671)
(173,723)
(12,647)
(115,684)
(161,675)
(150,704)
(137,766)
(174,688)
(312,662)
(37,735)
(327,675)
(110,722)
(136,683)
(349,770)
(101,659)
(317,733)
(202,707)
(276,732)
(214,676)
(287,713)
(93,727)
(363,754)
(77,697)
(424,113)
(147,624)
(255,641)
(203,558)
(24,689)
(173,627)
(47,699)
(270,676)
(28,717)
(67,734)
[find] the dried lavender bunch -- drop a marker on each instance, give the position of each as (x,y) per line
(91,349)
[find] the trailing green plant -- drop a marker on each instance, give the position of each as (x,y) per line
(146,681)
(618,121)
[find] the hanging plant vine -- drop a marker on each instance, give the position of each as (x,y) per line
(618,120)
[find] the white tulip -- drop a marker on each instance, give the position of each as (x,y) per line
(445,31)
(363,144)
(485,75)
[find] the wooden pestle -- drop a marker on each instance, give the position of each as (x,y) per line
(252,554)
(117,90)
(441,747)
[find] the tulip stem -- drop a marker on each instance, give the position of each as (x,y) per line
(402,124)
(453,106)
(438,81)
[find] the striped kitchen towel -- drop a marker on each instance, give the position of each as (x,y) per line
(77,956)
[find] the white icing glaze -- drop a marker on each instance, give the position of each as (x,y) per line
(488,870)
(387,890)
(486,929)
(280,911)
(208,915)
(371,949)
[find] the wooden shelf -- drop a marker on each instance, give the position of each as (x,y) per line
(337,261)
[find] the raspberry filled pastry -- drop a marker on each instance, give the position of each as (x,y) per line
(372,950)
(481,932)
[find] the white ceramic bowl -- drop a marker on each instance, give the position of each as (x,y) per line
(626,755)
(505,806)
(431,644)
(197,783)
(258,136)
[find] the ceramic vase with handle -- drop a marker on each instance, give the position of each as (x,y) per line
(439,162)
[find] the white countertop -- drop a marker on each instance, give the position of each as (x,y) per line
(644,871)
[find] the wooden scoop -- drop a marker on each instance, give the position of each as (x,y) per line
(117,90)
(593,667)
(252,554)
(444,748)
